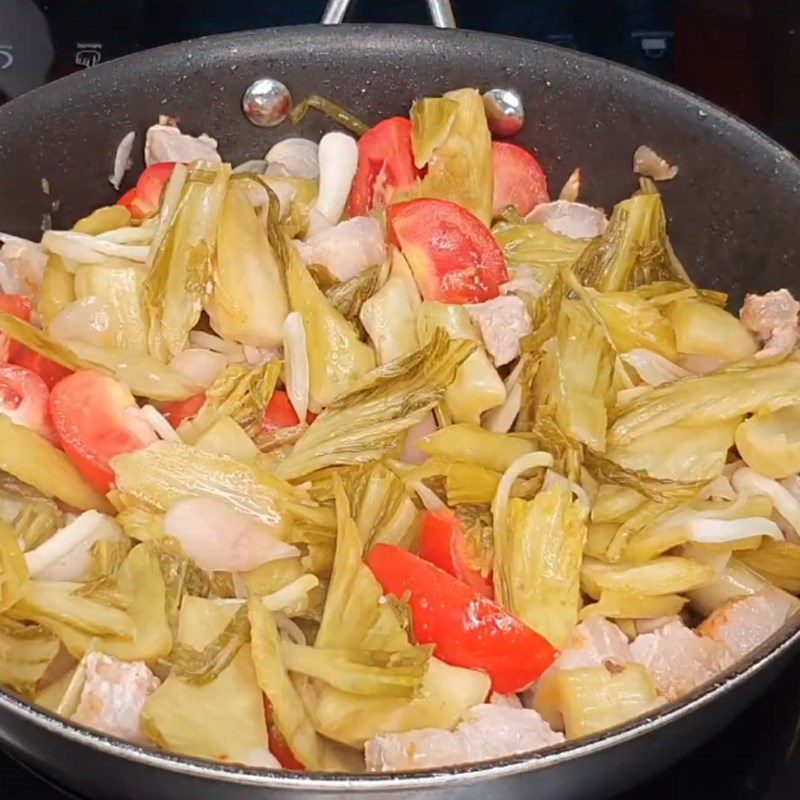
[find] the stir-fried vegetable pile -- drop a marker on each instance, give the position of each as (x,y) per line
(367,454)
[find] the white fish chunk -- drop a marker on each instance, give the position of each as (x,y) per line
(113,695)
(22,265)
(594,642)
(346,249)
(773,318)
(573,220)
(166,142)
(502,322)
(678,659)
(742,625)
(487,731)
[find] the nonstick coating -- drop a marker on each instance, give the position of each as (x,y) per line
(734,211)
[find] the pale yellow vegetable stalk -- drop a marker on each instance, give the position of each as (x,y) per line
(629,605)
(664,575)
(477,386)
(248,303)
(537,562)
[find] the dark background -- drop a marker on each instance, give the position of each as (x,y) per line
(742,54)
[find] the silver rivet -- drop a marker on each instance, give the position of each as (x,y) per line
(266,102)
(504,111)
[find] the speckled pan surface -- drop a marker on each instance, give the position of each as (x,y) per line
(734,212)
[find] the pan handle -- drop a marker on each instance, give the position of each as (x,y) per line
(441,12)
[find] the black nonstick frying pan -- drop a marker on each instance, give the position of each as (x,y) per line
(734,214)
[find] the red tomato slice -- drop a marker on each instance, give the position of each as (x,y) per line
(385,163)
(127,198)
(519,179)
(442,542)
(469,630)
(23,399)
(453,255)
(180,410)
(96,419)
(49,371)
(279,413)
(145,198)
(277,744)
(18,305)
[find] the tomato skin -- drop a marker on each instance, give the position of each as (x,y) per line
(276,742)
(385,163)
(18,305)
(279,413)
(453,255)
(519,179)
(143,200)
(49,371)
(95,419)
(24,400)
(180,410)
(442,542)
(469,630)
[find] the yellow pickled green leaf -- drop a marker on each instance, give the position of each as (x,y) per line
(14,578)
(770,443)
(663,575)
(629,605)
(25,654)
(432,119)
(473,444)
(709,330)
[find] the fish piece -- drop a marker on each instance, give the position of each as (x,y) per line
(487,731)
(113,695)
(502,322)
(772,317)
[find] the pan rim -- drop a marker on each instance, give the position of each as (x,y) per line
(773,649)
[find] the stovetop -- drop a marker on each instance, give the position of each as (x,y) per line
(742,54)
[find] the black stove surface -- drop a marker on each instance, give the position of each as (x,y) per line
(742,54)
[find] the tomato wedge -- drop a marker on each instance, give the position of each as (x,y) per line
(143,200)
(277,744)
(469,630)
(442,541)
(24,399)
(180,410)
(279,413)
(96,419)
(453,255)
(519,179)
(385,163)
(18,305)
(49,371)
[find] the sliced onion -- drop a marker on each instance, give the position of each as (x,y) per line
(521,465)
(429,498)
(650,164)
(338,161)
(289,628)
(159,423)
(122,159)
(572,187)
(716,559)
(653,368)
(300,157)
(216,343)
(296,364)
(411,453)
(290,594)
(574,220)
(500,418)
(88,320)
(719,531)
(748,482)
(66,556)
(258,166)
(200,365)
(85,249)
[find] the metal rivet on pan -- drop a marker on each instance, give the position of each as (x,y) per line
(504,111)
(266,102)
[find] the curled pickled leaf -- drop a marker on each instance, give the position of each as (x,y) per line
(389,318)
(14,575)
(200,667)
(348,297)
(178,282)
(330,109)
(432,119)
(240,393)
(27,651)
(34,517)
(248,301)
(370,420)
(778,562)
(633,250)
(706,329)
(361,672)
(221,719)
(477,386)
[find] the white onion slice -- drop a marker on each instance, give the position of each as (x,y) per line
(200,365)
(216,343)
(429,498)
(122,159)
(338,161)
(652,367)
(748,482)
(296,364)
(517,467)
(159,423)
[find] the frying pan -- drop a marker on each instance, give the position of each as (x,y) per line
(733,216)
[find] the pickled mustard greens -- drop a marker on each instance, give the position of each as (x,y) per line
(269,496)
